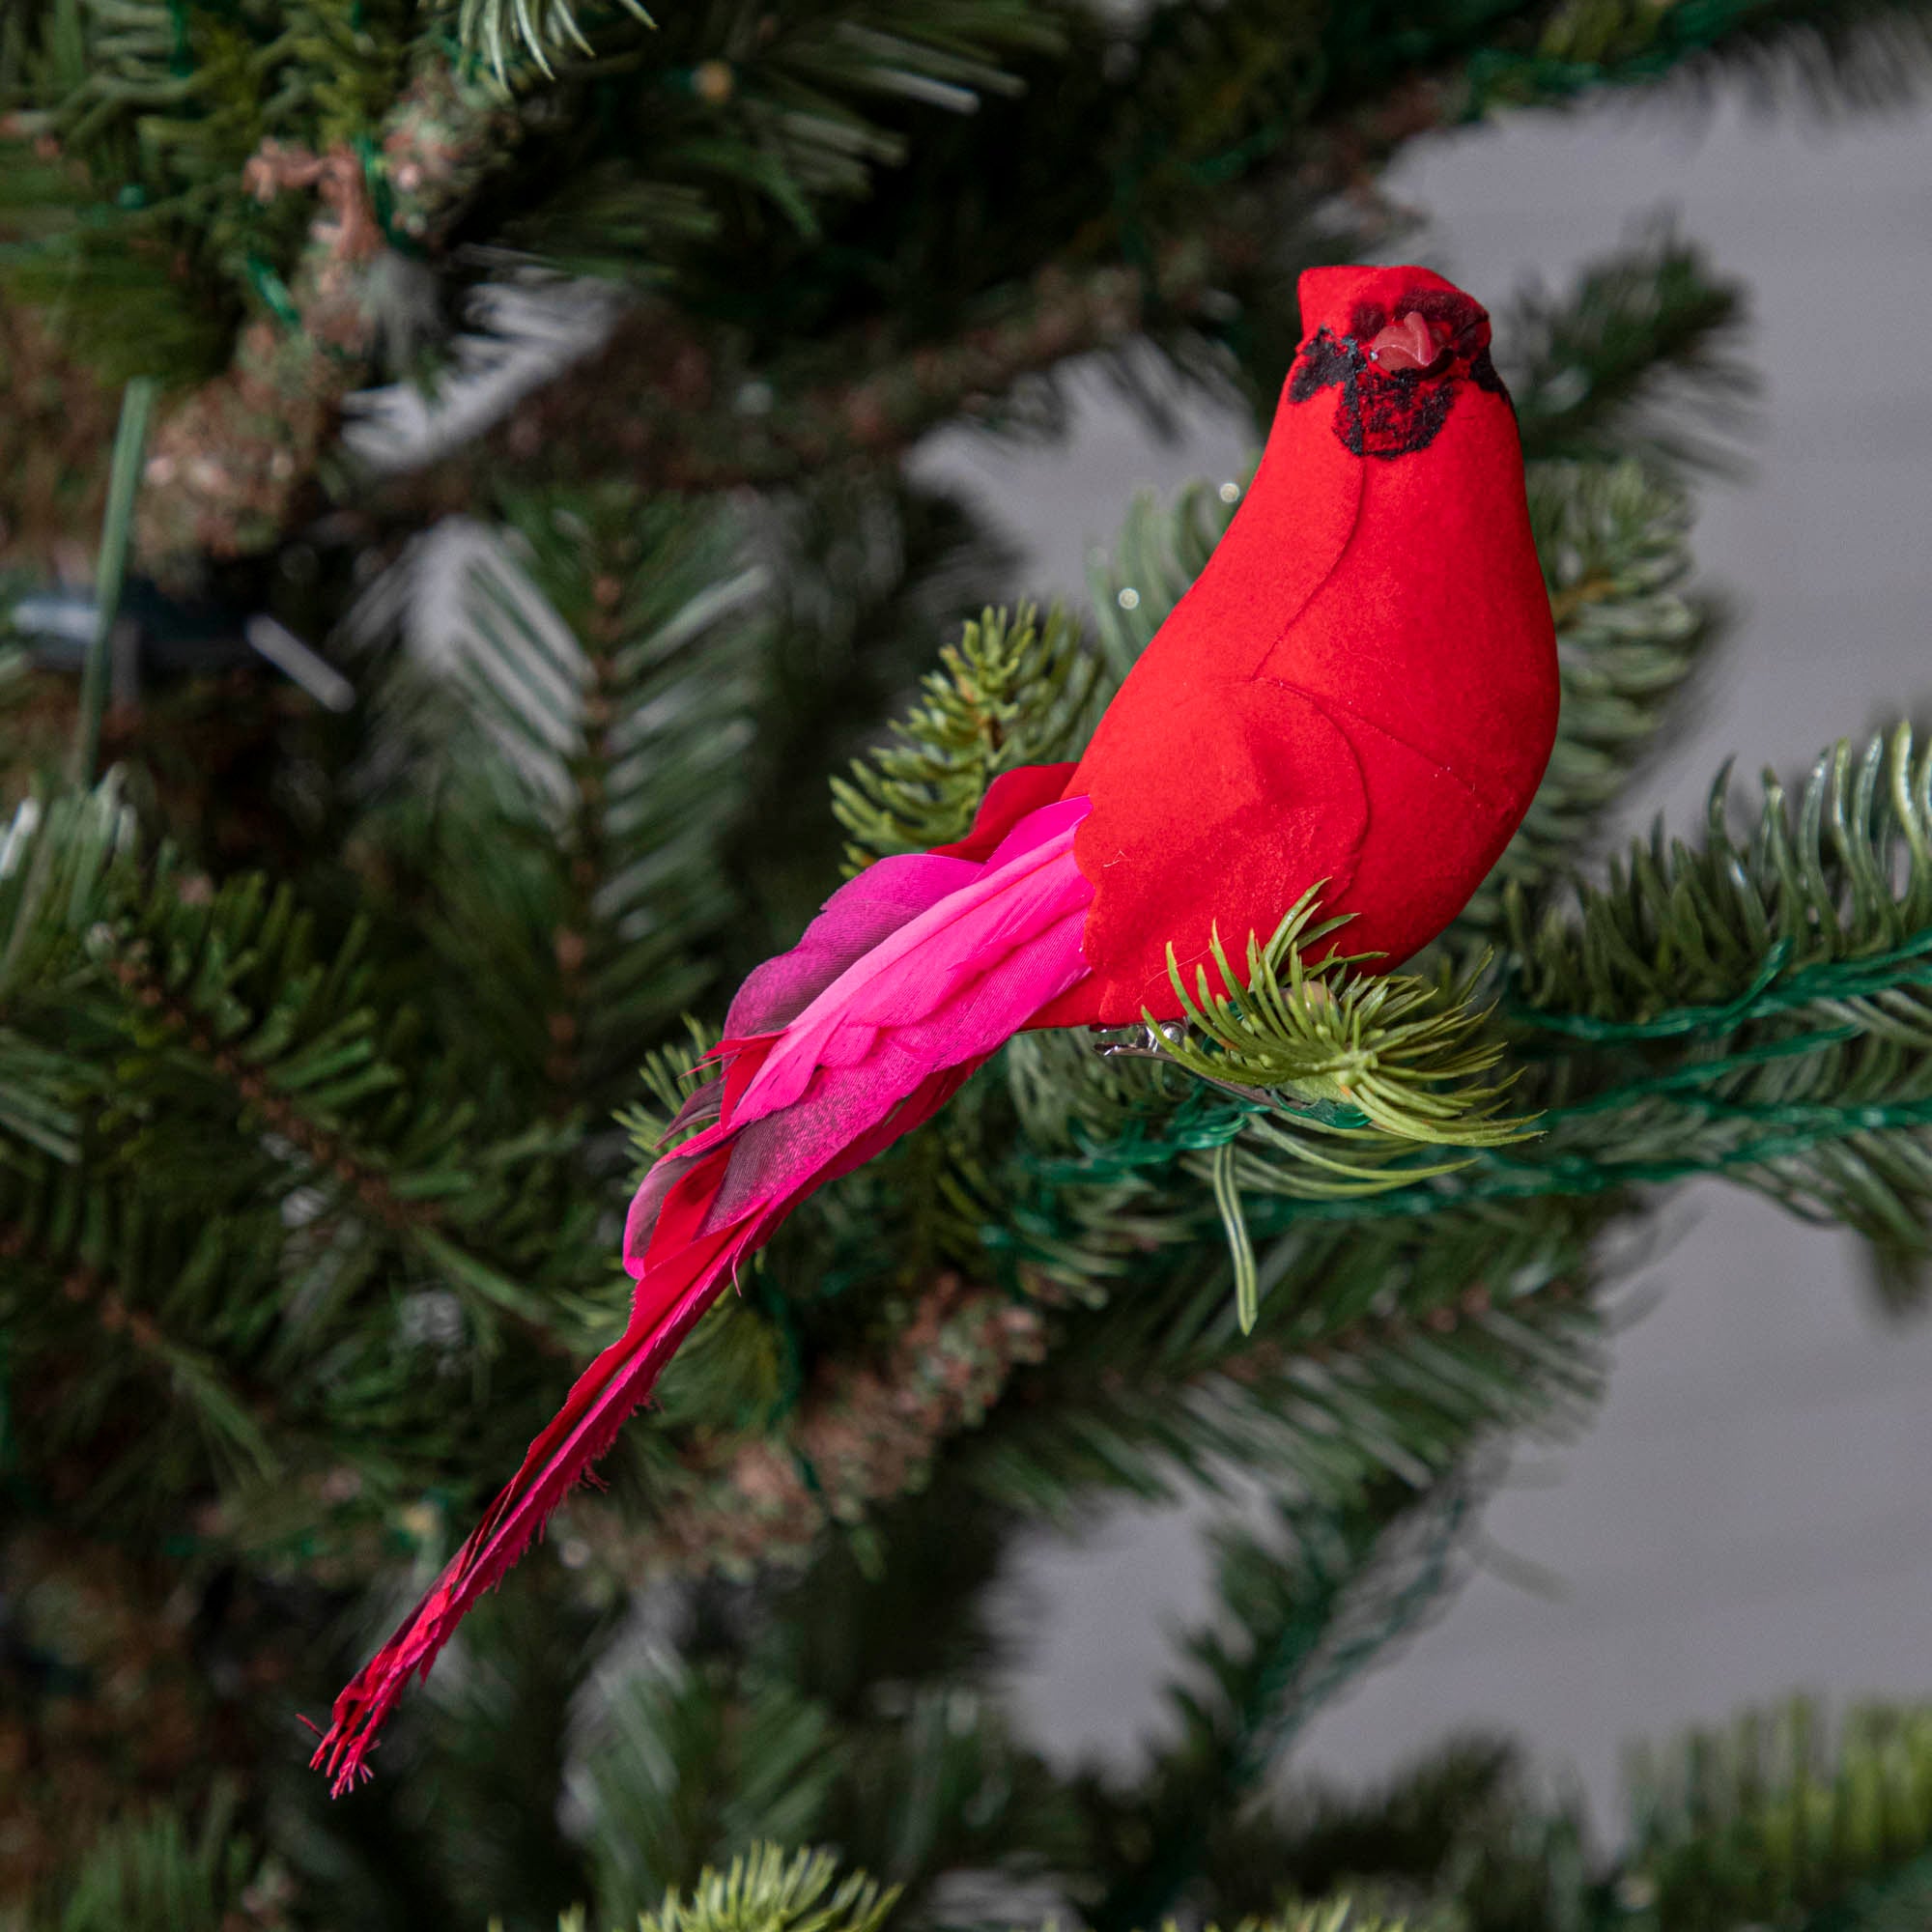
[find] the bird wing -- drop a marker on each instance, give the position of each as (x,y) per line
(947,987)
(1213,812)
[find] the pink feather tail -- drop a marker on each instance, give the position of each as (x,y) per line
(913,974)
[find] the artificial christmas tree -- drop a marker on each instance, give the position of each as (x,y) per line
(336,1040)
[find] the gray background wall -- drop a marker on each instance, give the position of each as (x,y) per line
(1752,1513)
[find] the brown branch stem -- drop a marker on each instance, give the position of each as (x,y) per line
(862,1436)
(667,404)
(326,1151)
(232,462)
(866,1436)
(671,405)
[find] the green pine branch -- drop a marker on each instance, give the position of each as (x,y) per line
(1862,55)
(792,115)
(768,1890)
(1405,1056)
(1756,1005)
(1014,690)
(1467,1834)
(1381,1349)
(1638,357)
(256,1204)
(676,1763)
(156,1874)
(126,158)
(1779,1817)
(506,34)
(1630,639)
(1822,900)
(1777,1820)
(765,1890)
(551,795)
(1305,1605)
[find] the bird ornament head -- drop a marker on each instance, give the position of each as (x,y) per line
(1399,345)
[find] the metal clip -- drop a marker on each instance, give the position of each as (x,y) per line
(1138,1042)
(1144,1042)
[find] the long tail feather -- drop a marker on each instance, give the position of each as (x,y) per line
(597,1405)
(913,975)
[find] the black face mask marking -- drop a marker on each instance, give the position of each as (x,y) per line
(1390,413)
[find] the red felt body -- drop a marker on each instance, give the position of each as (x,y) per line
(1360,688)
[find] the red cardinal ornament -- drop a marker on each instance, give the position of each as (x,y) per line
(1359,693)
